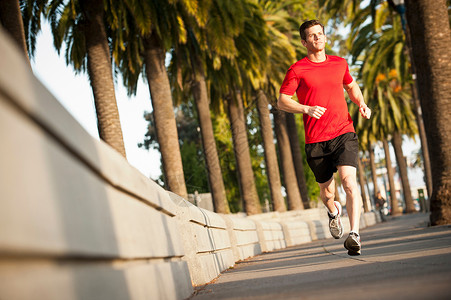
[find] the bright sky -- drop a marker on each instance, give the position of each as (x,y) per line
(75,94)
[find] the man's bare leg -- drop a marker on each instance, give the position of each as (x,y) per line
(353,199)
(327,194)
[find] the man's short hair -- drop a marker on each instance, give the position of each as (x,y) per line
(308,24)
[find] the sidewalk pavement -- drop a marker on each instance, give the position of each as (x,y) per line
(401,259)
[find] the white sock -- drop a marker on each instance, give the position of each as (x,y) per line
(333,214)
(354,232)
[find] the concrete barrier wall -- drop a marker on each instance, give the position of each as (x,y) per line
(243,237)
(206,240)
(296,232)
(77,220)
(270,235)
(371,218)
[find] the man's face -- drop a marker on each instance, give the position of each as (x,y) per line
(315,38)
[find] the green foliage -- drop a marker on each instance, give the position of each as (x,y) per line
(281,25)
(379,48)
(223,136)
(32,11)
(257,153)
(242,45)
(224,143)
(337,10)
(67,24)
(194,166)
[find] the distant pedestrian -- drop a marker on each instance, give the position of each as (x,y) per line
(380,202)
(331,143)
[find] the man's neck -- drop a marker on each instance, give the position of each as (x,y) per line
(317,56)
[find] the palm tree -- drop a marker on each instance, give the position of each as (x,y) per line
(297,158)
(361,176)
(338,10)
(281,54)
(272,168)
(282,19)
(152,29)
(402,165)
(388,118)
(416,101)
(234,80)
(221,19)
(364,35)
(11,20)
(422,132)
(166,128)
(373,169)
(395,207)
(80,24)
(432,62)
(400,112)
(386,78)
(378,129)
(211,154)
(242,155)
(381,16)
(286,159)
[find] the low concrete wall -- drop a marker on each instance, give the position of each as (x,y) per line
(371,218)
(205,236)
(270,235)
(296,232)
(243,237)
(78,222)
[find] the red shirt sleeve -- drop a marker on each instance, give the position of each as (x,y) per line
(347,78)
(290,83)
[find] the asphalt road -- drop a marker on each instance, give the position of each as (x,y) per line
(402,258)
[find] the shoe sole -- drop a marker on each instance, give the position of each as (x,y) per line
(353,253)
(353,250)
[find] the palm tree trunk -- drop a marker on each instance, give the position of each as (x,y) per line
(373,169)
(215,178)
(101,76)
(361,174)
(419,117)
(402,165)
(272,167)
(423,140)
(242,155)
(166,128)
(391,181)
(432,59)
(297,158)
(11,20)
(286,159)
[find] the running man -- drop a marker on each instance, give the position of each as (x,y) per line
(331,143)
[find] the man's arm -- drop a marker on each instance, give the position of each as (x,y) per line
(355,94)
(285,103)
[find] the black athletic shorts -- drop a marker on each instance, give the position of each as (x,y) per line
(324,157)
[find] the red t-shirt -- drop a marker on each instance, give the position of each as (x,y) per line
(321,84)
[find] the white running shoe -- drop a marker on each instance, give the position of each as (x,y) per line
(352,244)
(335,224)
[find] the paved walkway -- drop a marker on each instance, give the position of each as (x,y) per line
(401,259)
